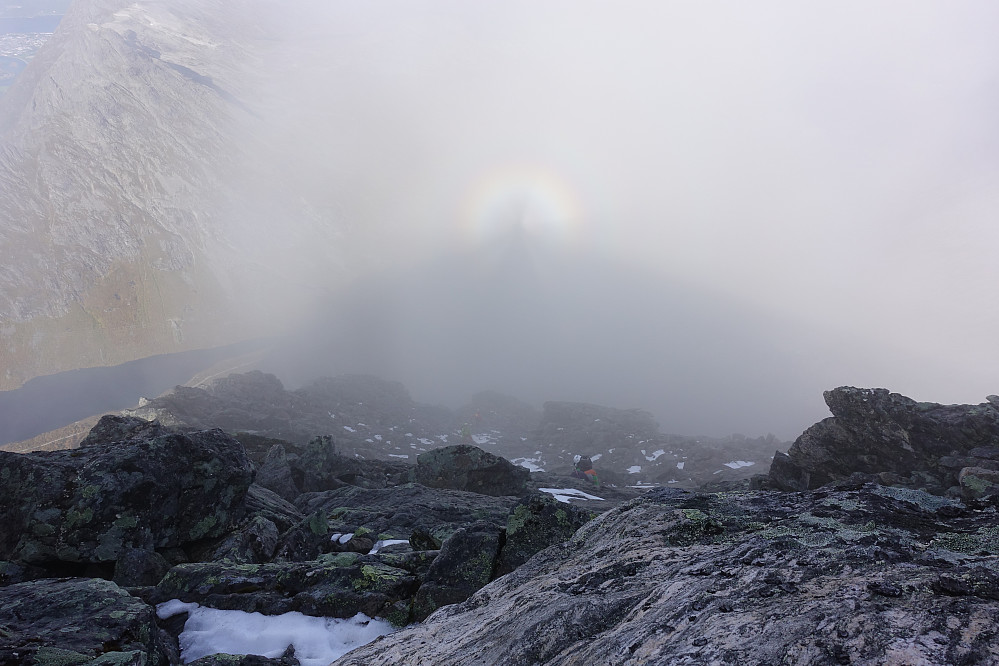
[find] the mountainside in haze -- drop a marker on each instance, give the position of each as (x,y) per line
(127,163)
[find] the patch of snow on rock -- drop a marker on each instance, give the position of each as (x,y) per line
(317,640)
(382,543)
(736,464)
(530,463)
(634,469)
(655,454)
(567,494)
(680,465)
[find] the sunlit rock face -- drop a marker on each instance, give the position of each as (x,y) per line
(131,187)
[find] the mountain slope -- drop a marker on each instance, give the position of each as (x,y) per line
(126,156)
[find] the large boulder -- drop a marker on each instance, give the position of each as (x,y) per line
(873,431)
(131,485)
(76,621)
(466,467)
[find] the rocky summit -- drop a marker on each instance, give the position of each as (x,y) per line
(111,549)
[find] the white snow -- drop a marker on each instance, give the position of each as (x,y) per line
(349,429)
(596,457)
(398,455)
(481,439)
(566,494)
(443,438)
(655,454)
(680,465)
(529,463)
(634,469)
(378,437)
(736,464)
(317,640)
(425,441)
(382,543)
(342,538)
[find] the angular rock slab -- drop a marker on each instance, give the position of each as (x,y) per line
(76,621)
(872,576)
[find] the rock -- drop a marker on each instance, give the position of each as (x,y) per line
(92,504)
(335,586)
(137,568)
(872,575)
(978,483)
(465,564)
(266,503)
(535,523)
(322,468)
(287,659)
(254,542)
(469,468)
(397,513)
(275,474)
(874,431)
(75,621)
(422,539)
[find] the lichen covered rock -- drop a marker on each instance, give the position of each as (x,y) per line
(75,621)
(152,489)
(872,575)
(465,467)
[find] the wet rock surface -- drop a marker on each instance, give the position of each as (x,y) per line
(872,575)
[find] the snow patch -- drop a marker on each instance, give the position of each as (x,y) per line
(680,465)
(530,463)
(349,429)
(481,439)
(398,455)
(736,464)
(655,454)
(634,469)
(566,494)
(317,640)
(382,543)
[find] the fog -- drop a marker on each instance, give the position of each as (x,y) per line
(714,211)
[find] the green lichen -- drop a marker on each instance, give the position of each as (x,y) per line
(203,527)
(126,522)
(76,517)
(975,484)
(120,659)
(361,531)
(339,559)
(922,499)
(517,519)
(376,576)
(90,492)
(317,524)
(983,540)
(52,656)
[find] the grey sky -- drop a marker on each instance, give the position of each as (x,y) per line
(828,167)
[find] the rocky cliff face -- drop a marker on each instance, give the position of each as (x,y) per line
(876,434)
(129,160)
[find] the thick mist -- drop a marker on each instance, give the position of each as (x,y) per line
(714,213)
